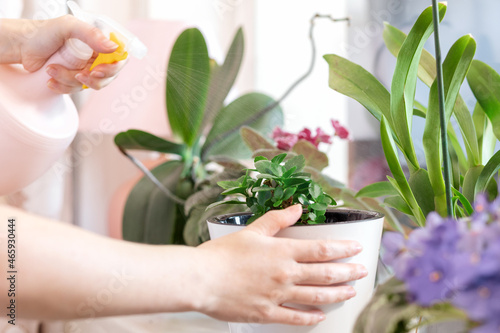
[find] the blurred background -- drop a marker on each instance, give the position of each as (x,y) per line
(89,185)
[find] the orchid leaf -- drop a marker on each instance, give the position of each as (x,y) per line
(463,200)
(188,78)
(455,68)
(490,170)
(470,180)
(135,139)
(422,189)
(485,84)
(354,81)
(255,110)
(399,176)
(376,190)
(399,204)
(223,77)
(405,79)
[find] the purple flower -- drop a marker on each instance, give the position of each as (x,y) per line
(490,326)
(394,244)
(481,302)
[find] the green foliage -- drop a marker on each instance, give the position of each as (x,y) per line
(278,184)
(419,185)
(206,131)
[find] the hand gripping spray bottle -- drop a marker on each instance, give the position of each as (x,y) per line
(36,124)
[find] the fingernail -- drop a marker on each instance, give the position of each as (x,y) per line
(350,293)
(362,272)
(110,44)
(97,74)
(51,71)
(80,77)
(357,247)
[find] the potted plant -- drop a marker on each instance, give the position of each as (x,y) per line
(279,183)
(442,268)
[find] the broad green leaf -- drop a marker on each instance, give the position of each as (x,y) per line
(255,110)
(404,82)
(149,216)
(188,77)
(490,170)
(455,68)
(222,78)
(399,204)
(314,158)
(278,158)
(422,189)
(399,176)
(377,190)
(264,167)
(135,139)
(354,81)
(485,84)
(465,203)
(394,39)
(254,140)
(470,180)
(315,190)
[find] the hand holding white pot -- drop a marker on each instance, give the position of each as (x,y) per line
(250,273)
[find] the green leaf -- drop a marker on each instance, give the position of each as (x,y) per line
(394,39)
(399,204)
(377,190)
(399,176)
(279,158)
(223,77)
(298,162)
(303,199)
(354,81)
(149,216)
(136,139)
(470,180)
(260,158)
(264,167)
(255,110)
(262,188)
(278,193)
(485,84)
(188,77)
(315,190)
(319,206)
(235,190)
(289,192)
(404,82)
(254,140)
(465,203)
(490,169)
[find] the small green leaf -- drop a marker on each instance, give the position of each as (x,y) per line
(303,200)
(259,158)
(319,206)
(264,167)
(465,203)
(299,162)
(228,184)
(262,188)
(315,190)
(278,192)
(235,190)
(289,192)
(278,158)
(262,198)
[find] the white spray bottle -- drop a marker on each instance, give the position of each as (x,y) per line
(36,124)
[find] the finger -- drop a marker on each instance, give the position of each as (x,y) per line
(62,88)
(324,250)
(63,75)
(90,35)
(288,316)
(102,71)
(320,295)
(329,274)
(92,82)
(272,222)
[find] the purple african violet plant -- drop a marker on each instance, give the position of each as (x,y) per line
(453,261)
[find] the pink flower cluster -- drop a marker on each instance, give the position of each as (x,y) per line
(286,140)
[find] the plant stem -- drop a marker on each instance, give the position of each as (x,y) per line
(442,118)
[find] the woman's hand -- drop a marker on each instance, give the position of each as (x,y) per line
(31,43)
(250,274)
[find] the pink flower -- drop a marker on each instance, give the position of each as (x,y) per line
(284,140)
(322,136)
(340,130)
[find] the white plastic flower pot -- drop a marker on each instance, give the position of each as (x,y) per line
(341,224)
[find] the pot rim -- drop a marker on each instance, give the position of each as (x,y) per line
(372,215)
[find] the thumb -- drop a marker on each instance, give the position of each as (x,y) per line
(273,221)
(90,35)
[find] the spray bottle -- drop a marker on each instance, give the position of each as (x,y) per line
(36,124)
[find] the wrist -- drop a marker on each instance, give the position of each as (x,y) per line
(11,40)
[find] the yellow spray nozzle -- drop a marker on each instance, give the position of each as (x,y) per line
(108,58)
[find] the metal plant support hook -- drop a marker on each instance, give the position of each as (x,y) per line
(442,118)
